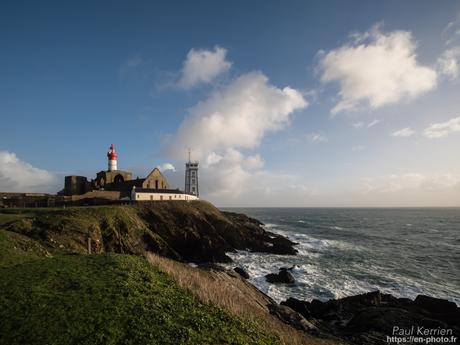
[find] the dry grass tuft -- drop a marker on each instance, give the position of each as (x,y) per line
(233,294)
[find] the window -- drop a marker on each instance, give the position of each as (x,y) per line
(193,174)
(193,181)
(151,197)
(170,197)
(161,197)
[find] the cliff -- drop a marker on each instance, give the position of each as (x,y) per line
(186,231)
(54,293)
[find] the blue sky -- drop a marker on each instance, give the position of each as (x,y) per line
(285,103)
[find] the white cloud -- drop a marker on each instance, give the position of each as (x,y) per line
(403,133)
(317,138)
(451,34)
(237,116)
(361,124)
(19,176)
(442,129)
(166,166)
(411,181)
(373,123)
(203,66)
(238,180)
(448,63)
(376,69)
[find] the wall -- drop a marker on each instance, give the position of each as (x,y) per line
(155,180)
(161,196)
(75,185)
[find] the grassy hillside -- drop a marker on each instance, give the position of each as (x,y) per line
(187,231)
(104,299)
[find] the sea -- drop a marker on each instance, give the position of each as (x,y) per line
(349,251)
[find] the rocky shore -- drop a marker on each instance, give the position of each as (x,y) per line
(375,318)
(200,233)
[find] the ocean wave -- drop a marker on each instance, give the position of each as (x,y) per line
(336,228)
(308,245)
(336,261)
(317,280)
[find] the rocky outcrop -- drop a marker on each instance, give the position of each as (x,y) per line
(284,277)
(293,318)
(368,319)
(186,231)
(242,272)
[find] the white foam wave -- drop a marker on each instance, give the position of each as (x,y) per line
(316,277)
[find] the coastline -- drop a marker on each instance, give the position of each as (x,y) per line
(198,232)
(371,317)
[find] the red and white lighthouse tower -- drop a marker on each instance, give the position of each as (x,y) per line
(112,156)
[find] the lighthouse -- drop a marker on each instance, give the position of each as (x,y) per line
(112,157)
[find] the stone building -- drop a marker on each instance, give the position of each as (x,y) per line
(76,185)
(114,180)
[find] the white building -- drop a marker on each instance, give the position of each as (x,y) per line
(149,194)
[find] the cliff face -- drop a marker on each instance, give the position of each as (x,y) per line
(194,231)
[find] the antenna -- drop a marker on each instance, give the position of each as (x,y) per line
(189,154)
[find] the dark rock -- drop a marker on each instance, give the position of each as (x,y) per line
(251,235)
(283,277)
(367,319)
(297,305)
(435,305)
(292,318)
(320,309)
(288,268)
(380,319)
(282,246)
(242,272)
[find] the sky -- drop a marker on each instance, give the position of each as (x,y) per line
(283,103)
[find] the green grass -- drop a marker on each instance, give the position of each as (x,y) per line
(104,299)
(9,217)
(17,248)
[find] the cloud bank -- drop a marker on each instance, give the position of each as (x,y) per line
(19,176)
(236,116)
(411,181)
(376,69)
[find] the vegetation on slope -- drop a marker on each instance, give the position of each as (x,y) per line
(105,299)
(186,231)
